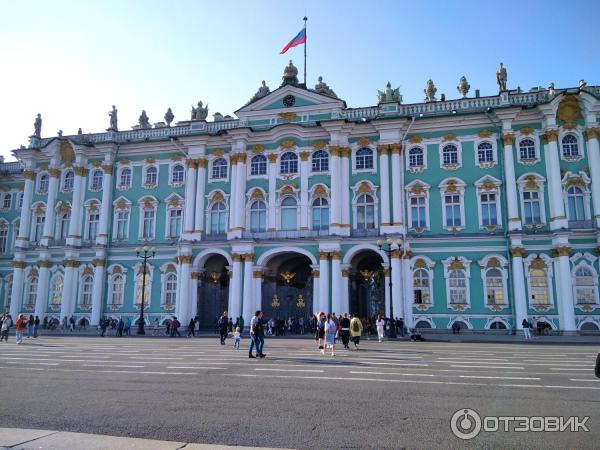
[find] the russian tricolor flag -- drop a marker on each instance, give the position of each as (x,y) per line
(299,39)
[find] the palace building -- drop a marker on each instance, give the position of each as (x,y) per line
(488,208)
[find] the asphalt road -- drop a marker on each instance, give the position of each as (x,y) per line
(388,395)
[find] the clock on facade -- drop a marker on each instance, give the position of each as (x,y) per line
(289,100)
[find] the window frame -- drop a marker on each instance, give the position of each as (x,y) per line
(262,164)
(319,158)
(459,160)
(289,159)
(223,169)
(93,185)
(356,156)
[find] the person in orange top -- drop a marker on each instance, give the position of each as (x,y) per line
(21,327)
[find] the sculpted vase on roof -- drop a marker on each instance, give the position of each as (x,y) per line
(430,91)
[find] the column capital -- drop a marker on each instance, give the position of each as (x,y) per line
(383,149)
(248,257)
(80,171)
(408,254)
(54,172)
(549,136)
(316,273)
(195,275)
(98,262)
(508,139)
(396,253)
(517,252)
(304,156)
(184,259)
(346,273)
(44,263)
(202,163)
(323,254)
(258,274)
(237,257)
(74,263)
(108,168)
(564,250)
(29,174)
(591,133)
(334,150)
(336,254)
(272,157)
(18,264)
(345,152)
(191,163)
(396,149)
(241,158)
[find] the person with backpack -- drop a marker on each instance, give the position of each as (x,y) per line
(320,330)
(356,330)
(175,324)
(345,330)
(21,328)
(526,331)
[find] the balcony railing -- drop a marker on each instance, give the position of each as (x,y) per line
(364,232)
(290,234)
(11,168)
(581,224)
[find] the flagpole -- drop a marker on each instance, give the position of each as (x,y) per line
(305,39)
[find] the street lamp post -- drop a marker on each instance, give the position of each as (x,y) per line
(144,253)
(388,247)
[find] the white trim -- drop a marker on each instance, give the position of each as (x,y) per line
(409,195)
(38,182)
(536,142)
(172,165)
(521,183)
(459,151)
(202,257)
(467,270)
(91,180)
(168,209)
(266,256)
(461,185)
(115,228)
(491,140)
(249,167)
(63,176)
(589,266)
(479,186)
(577,133)
(373,194)
(124,187)
(353,251)
(416,169)
(354,147)
(211,159)
(147,166)
(503,268)
(141,209)
(211,202)
(429,268)
(549,276)
(585,189)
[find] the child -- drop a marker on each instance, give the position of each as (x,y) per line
(237,338)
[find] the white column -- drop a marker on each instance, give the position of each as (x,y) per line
(105,208)
(386,272)
(562,274)
(257,279)
(23,236)
(16,296)
(514,222)
(49,219)
(200,194)
(345,289)
(248,302)
(190,198)
(324,281)
(384,181)
(67,306)
(345,189)
(558,218)
(183,281)
(236,296)
(408,290)
(74,237)
(397,191)
(519,292)
(336,197)
(194,294)
(272,213)
(397,284)
(316,289)
(98,293)
(304,156)
(233,196)
(336,283)
(593,154)
(240,206)
(41,297)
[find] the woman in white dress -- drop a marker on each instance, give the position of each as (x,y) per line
(330,330)
(380,324)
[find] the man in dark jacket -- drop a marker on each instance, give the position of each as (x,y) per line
(223,327)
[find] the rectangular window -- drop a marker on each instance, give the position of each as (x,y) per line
(6,201)
(93,220)
(3,240)
(488,209)
(148,224)
(122,224)
(453,216)
(531,204)
(39,228)
(418,216)
(175,216)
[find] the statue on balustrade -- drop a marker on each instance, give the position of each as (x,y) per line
(113,119)
(501,77)
(263,91)
(430,91)
(144,121)
(200,113)
(322,88)
(389,95)
(37,126)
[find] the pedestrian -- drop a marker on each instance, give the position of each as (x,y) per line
(230,325)
(356,329)
(30,326)
(156,329)
(191,327)
(400,323)
(175,324)
(168,328)
(301,325)
(120,327)
(72,324)
(4,327)
(257,335)
(320,330)
(128,326)
(237,338)
(345,330)
(103,327)
(36,326)
(21,327)
(223,324)
(45,322)
(369,326)
(241,324)
(526,331)
(380,324)
(330,331)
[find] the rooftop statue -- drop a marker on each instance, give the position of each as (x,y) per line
(430,91)
(263,91)
(113,119)
(169,116)
(551,90)
(144,121)
(322,88)
(463,86)
(200,113)
(501,77)
(218,117)
(582,84)
(290,75)
(389,94)
(37,126)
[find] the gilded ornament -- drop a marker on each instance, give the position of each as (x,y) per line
(508,139)
(233,159)
(80,171)
(148,203)
(288,143)
(569,111)
(304,156)
(29,175)
(99,262)
(319,191)
(33,273)
(449,137)
(364,142)
(54,172)
(237,257)
(258,148)
(217,152)
(96,163)
(88,271)
(420,264)
(191,163)
(334,150)
(562,251)
(43,166)
(44,264)
(124,161)
(122,204)
(336,254)
(319,145)
(272,157)
(185,259)
(288,116)
(288,277)
(323,255)
(346,273)
(493,262)
(485,133)
(456,264)
(526,131)
(489,186)
(531,182)
(66,152)
(202,163)
(574,181)
(300,303)
(550,136)
(108,168)
(417,189)
(256,194)
(366,274)
(257,274)
(364,188)
(275,303)
(396,253)
(396,149)
(174,201)
(150,160)
(316,273)
(18,264)
(416,139)
(538,263)
(451,187)
(383,149)
(218,197)
(591,133)
(345,152)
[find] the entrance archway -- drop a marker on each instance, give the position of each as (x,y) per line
(287,290)
(213,291)
(367,284)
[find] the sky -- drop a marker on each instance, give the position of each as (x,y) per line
(72,60)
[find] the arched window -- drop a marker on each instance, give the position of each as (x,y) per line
(31,294)
(68,181)
(219,169)
(320,214)
(450,154)
(56,292)
(494,287)
(527,150)
(421,287)
(485,153)
(218,218)
(151,176)
(320,161)
(170,290)
(288,163)
(43,183)
(87,286)
(116,291)
(6,200)
(415,157)
(570,147)
(364,159)
(576,201)
(258,216)
(585,289)
(457,283)
(539,287)
(177,174)
(365,211)
(531,204)
(125,178)
(258,165)
(289,214)
(96,179)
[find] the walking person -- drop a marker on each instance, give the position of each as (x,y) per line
(156,329)
(191,327)
(128,327)
(223,325)
(237,338)
(257,335)
(175,324)
(120,328)
(168,328)
(4,327)
(356,330)
(30,326)
(330,331)
(526,331)
(380,324)
(345,330)
(36,326)
(103,327)
(72,324)
(21,327)
(320,331)
(400,323)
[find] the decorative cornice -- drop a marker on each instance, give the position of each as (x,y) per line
(449,137)
(288,143)
(526,131)
(319,145)
(241,158)
(258,148)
